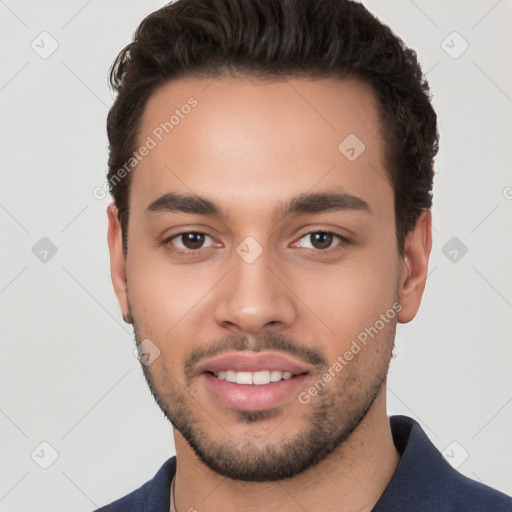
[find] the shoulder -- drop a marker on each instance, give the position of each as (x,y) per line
(473,496)
(153,496)
(424,481)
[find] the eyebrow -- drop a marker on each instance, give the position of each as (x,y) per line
(303,204)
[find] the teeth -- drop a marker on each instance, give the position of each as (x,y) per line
(275,375)
(244,378)
(262,377)
(257,378)
(230,376)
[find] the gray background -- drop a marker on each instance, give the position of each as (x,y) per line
(68,375)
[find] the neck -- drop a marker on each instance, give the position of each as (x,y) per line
(352,478)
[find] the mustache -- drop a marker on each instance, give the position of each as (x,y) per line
(268,341)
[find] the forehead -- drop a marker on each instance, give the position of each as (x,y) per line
(250,141)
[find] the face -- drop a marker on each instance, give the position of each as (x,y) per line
(263,275)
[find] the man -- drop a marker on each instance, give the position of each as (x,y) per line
(271,164)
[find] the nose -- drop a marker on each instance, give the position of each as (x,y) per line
(254,297)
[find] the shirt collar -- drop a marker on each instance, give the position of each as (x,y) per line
(421,470)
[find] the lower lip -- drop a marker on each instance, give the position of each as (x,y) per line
(252,397)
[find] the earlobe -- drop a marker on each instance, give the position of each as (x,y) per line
(414,266)
(117,260)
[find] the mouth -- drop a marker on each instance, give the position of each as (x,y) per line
(253,381)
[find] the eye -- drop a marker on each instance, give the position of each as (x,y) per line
(190,241)
(320,240)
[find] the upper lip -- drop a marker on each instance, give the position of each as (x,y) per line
(251,362)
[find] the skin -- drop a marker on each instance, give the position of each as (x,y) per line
(251,146)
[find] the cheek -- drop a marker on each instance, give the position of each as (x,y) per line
(341,300)
(162,294)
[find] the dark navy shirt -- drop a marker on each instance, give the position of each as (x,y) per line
(423,482)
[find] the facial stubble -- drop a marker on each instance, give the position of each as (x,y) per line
(329,418)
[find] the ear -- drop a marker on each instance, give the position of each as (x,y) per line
(414,266)
(117,260)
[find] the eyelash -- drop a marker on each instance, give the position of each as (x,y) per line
(343,242)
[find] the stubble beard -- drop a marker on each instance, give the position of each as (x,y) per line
(329,418)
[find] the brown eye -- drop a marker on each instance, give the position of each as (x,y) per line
(189,241)
(192,240)
(321,240)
